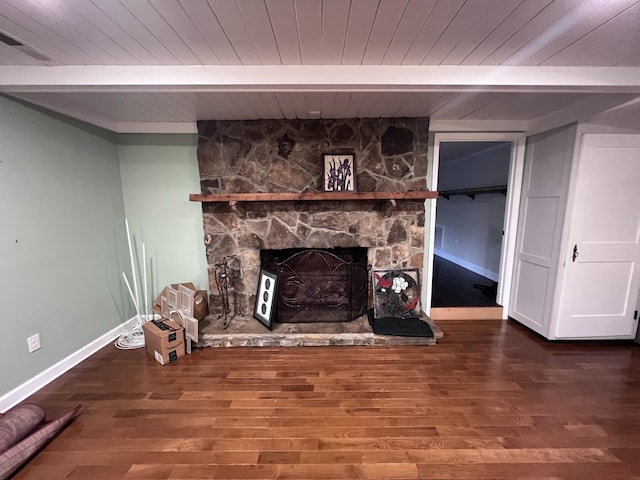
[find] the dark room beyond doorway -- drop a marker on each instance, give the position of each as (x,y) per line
(470,211)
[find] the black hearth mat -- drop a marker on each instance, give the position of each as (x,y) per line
(403,327)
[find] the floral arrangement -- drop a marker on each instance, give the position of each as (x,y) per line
(396,293)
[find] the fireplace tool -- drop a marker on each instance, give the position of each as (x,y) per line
(227,273)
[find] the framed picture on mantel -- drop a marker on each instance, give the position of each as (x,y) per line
(339,172)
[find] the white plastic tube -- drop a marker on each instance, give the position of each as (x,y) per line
(144,279)
(133,266)
(135,303)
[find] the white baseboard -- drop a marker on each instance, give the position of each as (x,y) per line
(34,384)
(468,265)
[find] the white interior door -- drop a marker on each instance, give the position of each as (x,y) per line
(602,262)
(547,169)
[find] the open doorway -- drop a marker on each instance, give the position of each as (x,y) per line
(473,224)
(472,181)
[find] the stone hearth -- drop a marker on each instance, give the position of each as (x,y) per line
(247,332)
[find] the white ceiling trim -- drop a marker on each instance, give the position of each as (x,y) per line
(192,128)
(584,109)
(627,106)
(301,78)
(434,126)
(501,126)
(120,127)
(154,127)
(478,125)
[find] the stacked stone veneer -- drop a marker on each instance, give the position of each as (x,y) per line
(286,156)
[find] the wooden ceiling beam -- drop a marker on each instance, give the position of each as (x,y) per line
(316,78)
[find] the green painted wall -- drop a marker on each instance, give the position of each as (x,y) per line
(158,174)
(62,242)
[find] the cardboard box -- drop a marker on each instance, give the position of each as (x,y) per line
(164,340)
(200,305)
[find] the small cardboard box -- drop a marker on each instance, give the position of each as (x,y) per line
(200,306)
(164,340)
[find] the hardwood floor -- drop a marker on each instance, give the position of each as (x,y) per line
(490,401)
(455,286)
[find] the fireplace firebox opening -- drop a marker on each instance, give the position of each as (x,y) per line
(319,285)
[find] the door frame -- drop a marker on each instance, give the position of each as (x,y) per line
(512,206)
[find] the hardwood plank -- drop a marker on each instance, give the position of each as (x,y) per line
(490,400)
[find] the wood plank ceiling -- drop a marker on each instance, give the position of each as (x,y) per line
(70,52)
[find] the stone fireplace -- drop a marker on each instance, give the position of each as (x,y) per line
(286,156)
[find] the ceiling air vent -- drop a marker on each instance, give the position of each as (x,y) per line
(12,42)
(26,49)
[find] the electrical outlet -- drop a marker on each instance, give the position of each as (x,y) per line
(34,343)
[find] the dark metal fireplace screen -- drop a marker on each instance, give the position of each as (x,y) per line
(319,285)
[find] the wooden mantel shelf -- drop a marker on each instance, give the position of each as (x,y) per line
(310,196)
